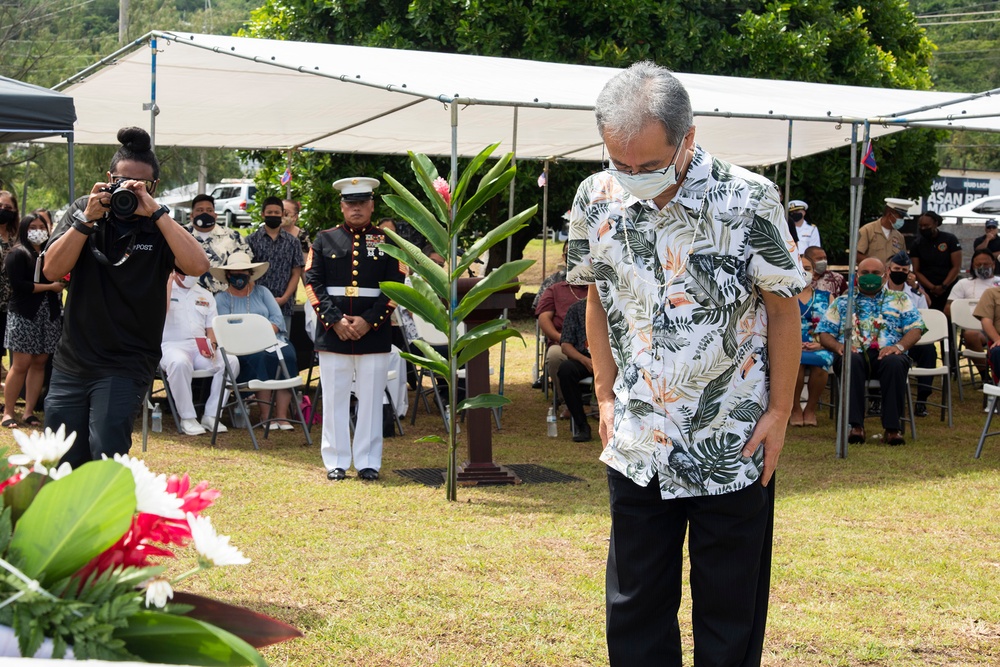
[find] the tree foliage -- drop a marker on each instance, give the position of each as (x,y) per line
(876,43)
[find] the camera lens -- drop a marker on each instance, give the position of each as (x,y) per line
(123,203)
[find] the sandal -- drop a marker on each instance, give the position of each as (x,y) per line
(32,420)
(9,423)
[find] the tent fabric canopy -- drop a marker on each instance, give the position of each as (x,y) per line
(235,92)
(29,112)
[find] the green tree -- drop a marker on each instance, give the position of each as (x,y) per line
(877,44)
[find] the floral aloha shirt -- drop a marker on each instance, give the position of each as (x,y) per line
(879,321)
(682,289)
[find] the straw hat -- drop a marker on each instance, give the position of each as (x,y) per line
(239,261)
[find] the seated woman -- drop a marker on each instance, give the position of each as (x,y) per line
(34,321)
(243,296)
(813,303)
(981,278)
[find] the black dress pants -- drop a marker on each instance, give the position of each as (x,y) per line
(571,372)
(891,375)
(730,551)
(924,356)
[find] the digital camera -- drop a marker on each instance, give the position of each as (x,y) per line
(124,202)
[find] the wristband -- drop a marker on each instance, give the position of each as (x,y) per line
(84,228)
(902,350)
(159,213)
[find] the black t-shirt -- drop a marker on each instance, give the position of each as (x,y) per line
(993,247)
(113,322)
(935,255)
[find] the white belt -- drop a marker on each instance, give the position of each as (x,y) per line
(353,291)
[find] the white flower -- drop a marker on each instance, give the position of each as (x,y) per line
(151,495)
(47,447)
(211,546)
(64,469)
(158,591)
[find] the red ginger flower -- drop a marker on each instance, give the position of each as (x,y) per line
(443,189)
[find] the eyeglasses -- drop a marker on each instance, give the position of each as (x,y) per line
(610,167)
(150,185)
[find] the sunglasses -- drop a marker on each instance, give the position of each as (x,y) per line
(150,185)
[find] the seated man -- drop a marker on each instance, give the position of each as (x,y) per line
(218,242)
(902,279)
(577,367)
(886,326)
(551,310)
(826,280)
(190,311)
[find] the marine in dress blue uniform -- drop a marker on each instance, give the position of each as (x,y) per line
(353,331)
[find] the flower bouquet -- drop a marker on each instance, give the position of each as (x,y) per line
(78,578)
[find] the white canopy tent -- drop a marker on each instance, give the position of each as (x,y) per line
(234,92)
(231,92)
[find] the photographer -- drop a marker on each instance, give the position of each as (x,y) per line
(120,247)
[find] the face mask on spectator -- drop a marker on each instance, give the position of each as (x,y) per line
(188,281)
(204,221)
(870,283)
(38,236)
(7,217)
(898,277)
(238,280)
(898,223)
(272,221)
(820,267)
(795,216)
(983,272)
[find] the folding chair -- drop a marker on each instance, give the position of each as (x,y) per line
(246,333)
(588,393)
(963,320)
(990,391)
(937,330)
(873,392)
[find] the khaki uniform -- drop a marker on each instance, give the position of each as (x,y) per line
(873,242)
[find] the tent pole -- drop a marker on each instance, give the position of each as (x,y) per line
(72,158)
(536,371)
(510,250)
(151,106)
(788,169)
(857,190)
(288,185)
(452,304)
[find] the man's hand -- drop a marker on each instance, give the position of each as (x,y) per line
(936,290)
(588,363)
(769,434)
(281,300)
(359,324)
(888,351)
(97,203)
(344,330)
(811,346)
(607,416)
(147,205)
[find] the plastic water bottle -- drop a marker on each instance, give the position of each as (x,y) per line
(551,423)
(157,425)
(238,417)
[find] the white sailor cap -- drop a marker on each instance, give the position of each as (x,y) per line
(902,206)
(797,204)
(356,188)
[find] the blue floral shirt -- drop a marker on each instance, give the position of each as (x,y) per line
(879,321)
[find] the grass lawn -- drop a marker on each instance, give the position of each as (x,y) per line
(889,557)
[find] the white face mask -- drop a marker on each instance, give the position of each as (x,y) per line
(649,185)
(38,236)
(189,281)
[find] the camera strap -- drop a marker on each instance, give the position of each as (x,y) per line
(102,258)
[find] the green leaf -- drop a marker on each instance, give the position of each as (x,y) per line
(485,342)
(483,195)
(413,257)
(74,519)
(491,238)
(18,497)
(415,302)
(470,171)
(484,401)
(409,207)
(178,640)
(432,360)
(501,278)
(426,172)
(432,438)
(471,335)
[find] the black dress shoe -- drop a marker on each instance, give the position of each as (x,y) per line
(583,434)
(920,410)
(856,436)
(537,384)
(336,474)
(368,474)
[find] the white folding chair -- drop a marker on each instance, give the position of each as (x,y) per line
(962,320)
(937,330)
(239,334)
(991,392)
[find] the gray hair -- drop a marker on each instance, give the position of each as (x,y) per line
(643,93)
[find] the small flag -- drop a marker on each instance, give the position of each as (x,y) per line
(869,159)
(286,177)
(542,179)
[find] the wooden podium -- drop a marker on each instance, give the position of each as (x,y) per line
(480,468)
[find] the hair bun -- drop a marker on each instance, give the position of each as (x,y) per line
(135,139)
